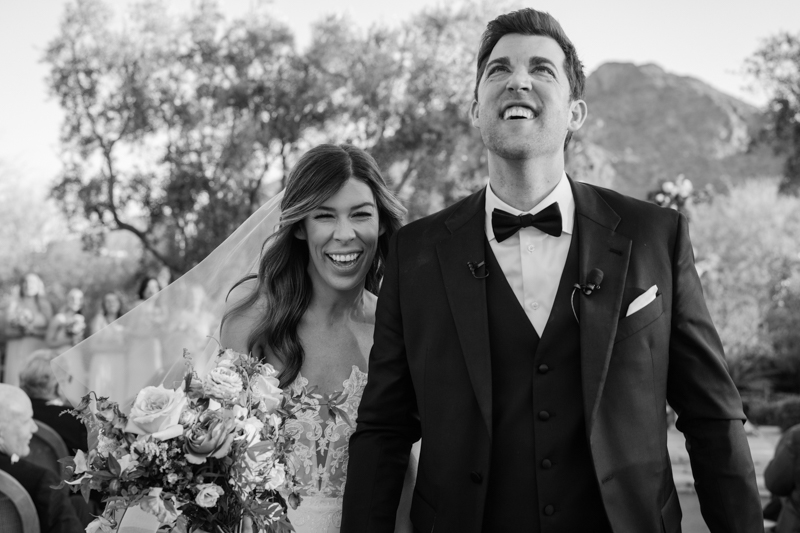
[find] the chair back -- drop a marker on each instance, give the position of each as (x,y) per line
(17,512)
(47,447)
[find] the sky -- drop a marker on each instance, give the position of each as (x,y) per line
(705,39)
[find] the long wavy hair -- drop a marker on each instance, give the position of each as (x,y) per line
(282,278)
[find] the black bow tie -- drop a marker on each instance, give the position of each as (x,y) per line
(548,220)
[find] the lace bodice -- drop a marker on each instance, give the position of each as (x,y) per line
(320,454)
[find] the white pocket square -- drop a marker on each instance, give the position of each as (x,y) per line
(642,300)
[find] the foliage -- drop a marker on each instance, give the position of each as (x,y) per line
(405,96)
(173,127)
(776,67)
(176,130)
(746,245)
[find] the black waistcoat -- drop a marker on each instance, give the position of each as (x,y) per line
(541,475)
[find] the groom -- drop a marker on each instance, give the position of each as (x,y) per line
(541,407)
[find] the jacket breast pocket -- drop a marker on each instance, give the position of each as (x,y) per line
(423,515)
(640,319)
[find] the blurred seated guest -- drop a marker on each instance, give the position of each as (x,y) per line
(39,383)
(782,478)
(66,329)
(110,310)
(56,513)
(27,317)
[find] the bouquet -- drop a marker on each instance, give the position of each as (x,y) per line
(199,457)
(76,326)
(21,318)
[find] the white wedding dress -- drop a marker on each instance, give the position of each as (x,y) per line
(320,455)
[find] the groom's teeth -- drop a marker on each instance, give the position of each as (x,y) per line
(517,112)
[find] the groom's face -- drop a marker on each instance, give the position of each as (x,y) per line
(524,108)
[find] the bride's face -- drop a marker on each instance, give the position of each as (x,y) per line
(342,236)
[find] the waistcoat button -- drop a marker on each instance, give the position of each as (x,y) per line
(544,415)
(476,477)
(544,369)
(549,510)
(546,464)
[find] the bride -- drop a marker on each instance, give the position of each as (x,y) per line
(310,312)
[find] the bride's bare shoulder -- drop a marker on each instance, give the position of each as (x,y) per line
(240,321)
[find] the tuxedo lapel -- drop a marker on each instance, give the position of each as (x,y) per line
(599,247)
(467,295)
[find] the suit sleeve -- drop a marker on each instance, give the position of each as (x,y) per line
(388,420)
(708,405)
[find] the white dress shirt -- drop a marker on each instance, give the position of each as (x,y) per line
(532,260)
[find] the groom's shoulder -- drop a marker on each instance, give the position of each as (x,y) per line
(431,228)
(634,210)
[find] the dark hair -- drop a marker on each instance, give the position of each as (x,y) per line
(282,277)
(531,22)
(143,285)
(116,295)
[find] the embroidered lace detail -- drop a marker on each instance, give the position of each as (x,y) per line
(319,457)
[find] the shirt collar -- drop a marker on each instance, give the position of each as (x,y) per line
(562,194)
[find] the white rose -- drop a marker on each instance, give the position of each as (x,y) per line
(277,477)
(223,383)
(265,389)
(252,429)
(157,412)
(208,495)
(100,525)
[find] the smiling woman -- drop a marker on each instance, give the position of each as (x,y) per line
(310,312)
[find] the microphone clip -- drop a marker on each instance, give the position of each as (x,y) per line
(475,267)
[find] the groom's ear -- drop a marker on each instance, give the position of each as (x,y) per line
(382,229)
(300,232)
(474,114)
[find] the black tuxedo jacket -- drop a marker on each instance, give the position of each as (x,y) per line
(430,377)
(67,426)
(56,513)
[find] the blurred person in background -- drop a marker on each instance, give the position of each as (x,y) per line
(38,381)
(145,351)
(110,310)
(148,287)
(56,513)
(27,317)
(68,326)
(109,353)
(782,478)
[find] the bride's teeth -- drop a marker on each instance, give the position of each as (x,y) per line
(517,111)
(343,258)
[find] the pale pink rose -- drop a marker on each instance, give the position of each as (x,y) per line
(154,504)
(208,495)
(157,412)
(223,383)
(211,436)
(265,390)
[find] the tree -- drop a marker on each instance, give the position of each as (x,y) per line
(173,129)
(404,94)
(776,66)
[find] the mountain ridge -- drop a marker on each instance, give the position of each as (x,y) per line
(646,125)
